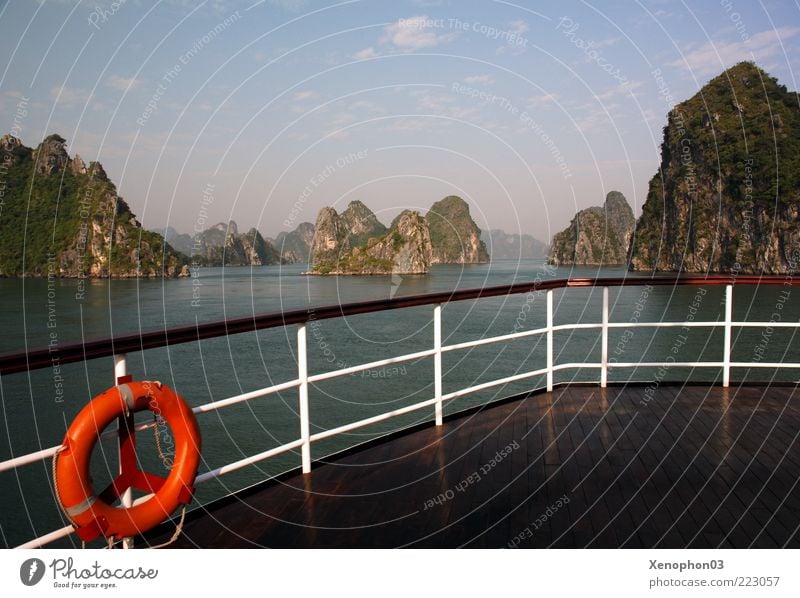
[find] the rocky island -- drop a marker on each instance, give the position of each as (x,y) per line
(726,197)
(356,243)
(597,236)
(62,217)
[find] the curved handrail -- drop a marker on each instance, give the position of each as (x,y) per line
(81,351)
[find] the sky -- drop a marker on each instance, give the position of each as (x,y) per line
(264,112)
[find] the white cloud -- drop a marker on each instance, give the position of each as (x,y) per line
(542,101)
(121,83)
(303,95)
(624,89)
(518,26)
(433,101)
(482,79)
(365,53)
(712,57)
(414,33)
(69,96)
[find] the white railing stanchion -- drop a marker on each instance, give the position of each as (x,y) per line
(604,348)
(302,375)
(126,500)
(437,361)
(726,350)
(549,341)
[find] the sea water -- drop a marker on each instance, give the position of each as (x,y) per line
(38,407)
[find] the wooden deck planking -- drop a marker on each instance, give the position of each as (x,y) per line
(697,466)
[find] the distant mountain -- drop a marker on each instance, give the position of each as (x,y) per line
(295,246)
(455,237)
(597,236)
(512,246)
(62,217)
(223,245)
(355,242)
(179,242)
(726,196)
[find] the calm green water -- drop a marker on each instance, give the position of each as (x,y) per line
(36,411)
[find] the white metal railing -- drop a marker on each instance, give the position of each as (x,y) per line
(304,379)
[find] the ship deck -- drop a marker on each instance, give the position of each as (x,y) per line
(696,466)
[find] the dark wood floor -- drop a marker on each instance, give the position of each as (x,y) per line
(579,467)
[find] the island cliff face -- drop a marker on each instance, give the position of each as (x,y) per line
(61,217)
(597,236)
(726,196)
(455,237)
(356,243)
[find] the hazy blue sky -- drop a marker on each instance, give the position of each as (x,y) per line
(265,112)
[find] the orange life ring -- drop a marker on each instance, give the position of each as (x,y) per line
(93,514)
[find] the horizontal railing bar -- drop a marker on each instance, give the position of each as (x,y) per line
(131,343)
(29,458)
(371,420)
(763,364)
(498,382)
(577,326)
(371,365)
(47,538)
(230,467)
(766,324)
(493,339)
(568,366)
(664,324)
(245,397)
(659,364)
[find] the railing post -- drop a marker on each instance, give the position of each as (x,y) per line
(437,361)
(126,424)
(726,350)
(604,348)
(549,341)
(302,375)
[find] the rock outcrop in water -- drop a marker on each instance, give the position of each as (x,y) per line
(455,237)
(355,242)
(597,236)
(726,196)
(512,246)
(61,217)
